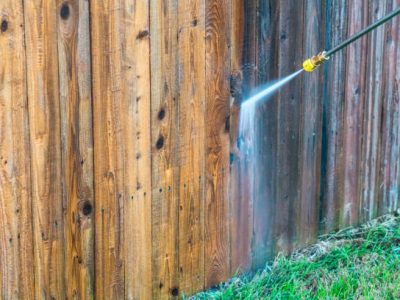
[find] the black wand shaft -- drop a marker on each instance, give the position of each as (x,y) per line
(362,32)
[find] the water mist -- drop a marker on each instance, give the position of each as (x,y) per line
(248,143)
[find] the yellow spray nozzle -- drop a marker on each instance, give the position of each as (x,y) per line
(312,63)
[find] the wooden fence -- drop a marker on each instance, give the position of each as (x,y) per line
(120,174)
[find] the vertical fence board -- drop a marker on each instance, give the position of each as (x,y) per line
(166,151)
(191,84)
(240,210)
(354,110)
(333,118)
(106,74)
(389,189)
(373,105)
(395,192)
(310,124)
(136,138)
(44,116)
(121,83)
(244,210)
(290,58)
(265,184)
(216,229)
(16,244)
(77,150)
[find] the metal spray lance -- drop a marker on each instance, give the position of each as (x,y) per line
(312,63)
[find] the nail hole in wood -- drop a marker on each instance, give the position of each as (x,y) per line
(160,142)
(142,34)
(161,114)
(64,11)
(4,26)
(175,292)
(87,208)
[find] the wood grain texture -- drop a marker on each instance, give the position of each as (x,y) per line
(178,62)
(288,123)
(354,113)
(122,171)
(136,140)
(107,133)
(240,210)
(165,148)
(307,222)
(16,242)
(77,146)
(373,106)
(265,185)
(191,84)
(121,85)
(216,252)
(45,143)
(388,177)
(333,118)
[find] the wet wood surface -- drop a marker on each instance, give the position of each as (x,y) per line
(122,171)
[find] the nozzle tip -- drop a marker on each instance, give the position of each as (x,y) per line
(308,66)
(312,63)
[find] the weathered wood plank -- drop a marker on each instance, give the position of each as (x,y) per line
(166,150)
(265,181)
(244,232)
(16,245)
(240,210)
(216,229)
(333,118)
(396,120)
(77,150)
(307,222)
(388,182)
(290,58)
(373,106)
(354,113)
(45,142)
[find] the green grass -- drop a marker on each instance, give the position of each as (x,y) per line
(355,263)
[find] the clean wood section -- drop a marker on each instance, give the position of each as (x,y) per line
(121,105)
(77,151)
(122,171)
(16,242)
(165,148)
(191,99)
(216,223)
(108,118)
(41,18)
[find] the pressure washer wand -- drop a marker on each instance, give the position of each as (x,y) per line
(312,63)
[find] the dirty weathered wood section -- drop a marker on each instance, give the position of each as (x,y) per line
(121,175)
